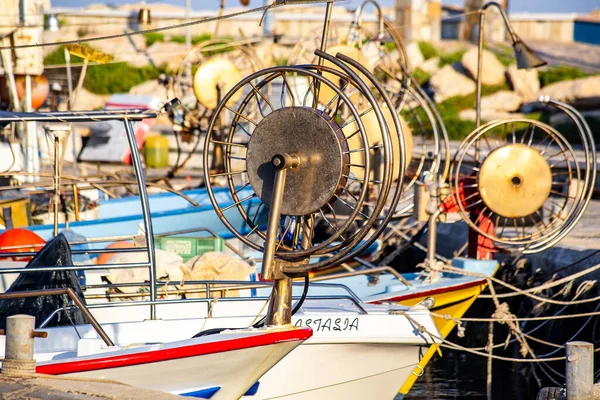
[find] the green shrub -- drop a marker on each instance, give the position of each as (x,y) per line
(504,54)
(390,46)
(117,77)
(421,76)
(195,39)
(451,58)
(428,50)
(178,39)
(457,128)
(57,57)
(557,74)
(280,61)
(153,37)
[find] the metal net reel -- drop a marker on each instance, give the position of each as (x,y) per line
(380,50)
(334,168)
(519,183)
(215,65)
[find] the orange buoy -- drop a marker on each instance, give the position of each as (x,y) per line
(103,258)
(18,240)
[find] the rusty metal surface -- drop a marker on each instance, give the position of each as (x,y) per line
(308,134)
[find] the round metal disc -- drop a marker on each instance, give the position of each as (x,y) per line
(515,180)
(326,94)
(373,131)
(310,136)
(213,79)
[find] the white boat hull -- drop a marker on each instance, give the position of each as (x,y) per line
(339,371)
(222,366)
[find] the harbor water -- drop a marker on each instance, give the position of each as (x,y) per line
(463,376)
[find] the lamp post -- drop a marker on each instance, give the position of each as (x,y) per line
(525,57)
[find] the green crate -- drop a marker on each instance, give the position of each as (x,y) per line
(188,247)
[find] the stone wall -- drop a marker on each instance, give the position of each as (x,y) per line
(419,19)
(551,29)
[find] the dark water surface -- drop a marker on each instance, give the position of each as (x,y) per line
(458,376)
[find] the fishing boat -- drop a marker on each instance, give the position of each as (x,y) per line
(386,338)
(170,212)
(220,366)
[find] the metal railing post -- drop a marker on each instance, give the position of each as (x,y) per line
(141,181)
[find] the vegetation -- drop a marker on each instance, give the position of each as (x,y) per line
(108,78)
(421,76)
(280,61)
(457,128)
(117,77)
(427,50)
(451,58)
(195,39)
(153,37)
(557,74)
(503,53)
(57,57)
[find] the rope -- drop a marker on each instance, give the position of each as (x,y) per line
(162,29)
(526,292)
(552,284)
(454,346)
(17,367)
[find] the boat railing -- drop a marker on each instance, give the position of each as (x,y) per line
(62,292)
(127,116)
(208,288)
(208,301)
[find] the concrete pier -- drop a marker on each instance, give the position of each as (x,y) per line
(34,388)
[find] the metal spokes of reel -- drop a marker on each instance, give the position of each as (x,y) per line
(216,66)
(519,183)
(380,51)
(334,162)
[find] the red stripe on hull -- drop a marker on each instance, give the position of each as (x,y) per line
(432,292)
(174,353)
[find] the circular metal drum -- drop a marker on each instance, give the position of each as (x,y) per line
(523,177)
(292,121)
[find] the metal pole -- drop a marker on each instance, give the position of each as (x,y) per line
(325,34)
(188,36)
(479,69)
(141,181)
(56,196)
(217,22)
(280,307)
(490,350)
(69,79)
(268,21)
(580,371)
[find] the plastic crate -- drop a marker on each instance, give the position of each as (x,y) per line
(188,247)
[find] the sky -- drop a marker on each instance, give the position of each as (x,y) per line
(534,6)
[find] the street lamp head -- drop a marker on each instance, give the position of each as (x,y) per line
(52,23)
(526,58)
(144,17)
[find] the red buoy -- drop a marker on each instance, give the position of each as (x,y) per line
(19,240)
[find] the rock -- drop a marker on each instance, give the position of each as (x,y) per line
(414,55)
(86,100)
(149,88)
(583,92)
(431,66)
(493,70)
(504,100)
(264,54)
(447,82)
(122,48)
(161,53)
(525,82)
(487,115)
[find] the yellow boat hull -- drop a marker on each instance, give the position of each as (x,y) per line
(453,302)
